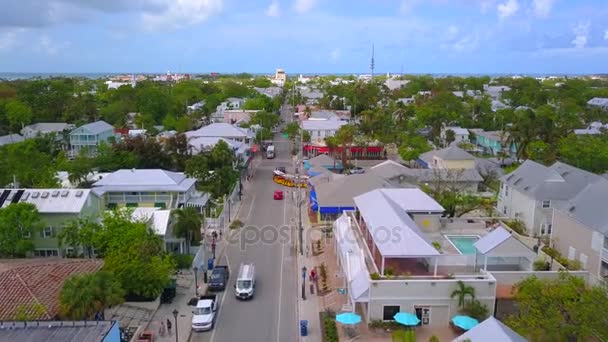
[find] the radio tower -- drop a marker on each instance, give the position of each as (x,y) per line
(372,65)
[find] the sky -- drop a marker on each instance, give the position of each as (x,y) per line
(305,36)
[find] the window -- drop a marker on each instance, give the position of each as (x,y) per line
(504,210)
(45,253)
(390,311)
(571,253)
(131,205)
(161,205)
(111,206)
(47,232)
(546,204)
(583,260)
(506,190)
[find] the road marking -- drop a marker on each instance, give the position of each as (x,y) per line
(281,275)
(251,208)
(219,314)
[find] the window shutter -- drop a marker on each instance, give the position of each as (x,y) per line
(571,253)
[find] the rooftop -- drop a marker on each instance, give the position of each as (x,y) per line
(143,180)
(64,331)
(598,101)
(24,283)
(450,153)
(327,125)
(97,127)
(157,218)
(219,129)
(47,201)
(586,206)
(342,191)
(491,330)
(10,139)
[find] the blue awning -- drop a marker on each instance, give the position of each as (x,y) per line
(422,163)
(306,165)
(313,201)
(334,210)
(312,173)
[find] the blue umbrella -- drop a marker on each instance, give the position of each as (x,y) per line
(348,318)
(406,318)
(464,322)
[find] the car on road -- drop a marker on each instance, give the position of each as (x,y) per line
(219,278)
(356,170)
(245,282)
(281,168)
(278,195)
(203,316)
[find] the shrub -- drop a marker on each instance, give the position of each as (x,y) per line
(331,331)
(541,265)
(183,261)
(408,335)
(434,339)
(389,272)
(518,226)
(574,265)
(375,276)
(236,224)
(437,245)
(476,310)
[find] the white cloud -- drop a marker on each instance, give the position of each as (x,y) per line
(303,6)
(181,13)
(542,8)
(273,10)
(507,9)
(581,35)
(335,54)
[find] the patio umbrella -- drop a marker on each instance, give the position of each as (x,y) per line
(464,322)
(348,318)
(406,318)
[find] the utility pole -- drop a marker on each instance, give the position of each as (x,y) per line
(300,197)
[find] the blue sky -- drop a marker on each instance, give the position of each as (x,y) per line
(324,36)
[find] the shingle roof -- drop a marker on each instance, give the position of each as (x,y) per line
(450,153)
(219,129)
(587,206)
(64,331)
(322,160)
(340,192)
(28,282)
(558,182)
(331,125)
(46,127)
(325,177)
(143,180)
(10,139)
(97,127)
(389,169)
(491,330)
(49,201)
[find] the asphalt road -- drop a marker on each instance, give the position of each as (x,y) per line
(271,315)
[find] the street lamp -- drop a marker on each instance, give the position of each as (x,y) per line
(195,269)
(175,313)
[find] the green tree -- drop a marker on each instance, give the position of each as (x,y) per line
(83,296)
(412,146)
(561,309)
(345,136)
(30,312)
(18,113)
(108,159)
(462,292)
(542,152)
(19,222)
(265,119)
(292,129)
(450,136)
(589,152)
(79,234)
(80,168)
(188,225)
(30,162)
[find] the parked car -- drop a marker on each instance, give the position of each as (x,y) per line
(356,170)
(278,195)
(219,278)
(203,316)
(281,168)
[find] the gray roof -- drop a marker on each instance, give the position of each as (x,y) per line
(47,127)
(50,201)
(324,125)
(491,330)
(448,175)
(598,101)
(322,160)
(219,129)
(143,180)
(558,182)
(325,177)
(587,206)
(324,114)
(486,166)
(342,191)
(10,139)
(97,127)
(65,331)
(450,153)
(389,169)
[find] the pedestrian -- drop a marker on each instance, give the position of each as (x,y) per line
(169,326)
(313,275)
(161,329)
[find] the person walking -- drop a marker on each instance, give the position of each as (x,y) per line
(161,329)
(169,326)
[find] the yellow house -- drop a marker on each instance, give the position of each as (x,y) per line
(452,157)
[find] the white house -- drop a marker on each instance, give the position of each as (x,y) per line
(222,130)
(495,91)
(598,102)
(594,128)
(460,134)
(10,139)
(320,129)
(43,128)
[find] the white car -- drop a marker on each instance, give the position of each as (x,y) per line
(203,316)
(356,171)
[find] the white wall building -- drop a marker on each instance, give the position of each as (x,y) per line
(320,129)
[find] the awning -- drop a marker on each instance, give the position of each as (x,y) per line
(334,210)
(314,206)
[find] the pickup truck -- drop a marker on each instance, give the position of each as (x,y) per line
(219,278)
(203,316)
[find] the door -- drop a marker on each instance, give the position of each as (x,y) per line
(424,314)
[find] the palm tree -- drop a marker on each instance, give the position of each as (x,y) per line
(83,296)
(462,292)
(188,224)
(332,144)
(345,137)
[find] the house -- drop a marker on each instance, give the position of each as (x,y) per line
(498,105)
(320,129)
(232,116)
(222,130)
(162,223)
(90,135)
(43,128)
(496,92)
(452,157)
(279,78)
(10,139)
(154,188)
(490,330)
(393,84)
(467,180)
(580,229)
(328,200)
(460,134)
(56,208)
(493,142)
(102,331)
(271,92)
(594,128)
(390,265)
(203,144)
(195,106)
(598,102)
(33,286)
(406,100)
(532,191)
(311,94)
(469,93)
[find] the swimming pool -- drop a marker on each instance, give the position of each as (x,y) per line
(463,243)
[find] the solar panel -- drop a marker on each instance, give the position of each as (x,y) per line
(25,196)
(55,193)
(79,193)
(45,194)
(64,193)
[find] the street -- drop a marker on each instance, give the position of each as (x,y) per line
(267,241)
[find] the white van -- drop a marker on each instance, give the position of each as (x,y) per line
(245,282)
(270,152)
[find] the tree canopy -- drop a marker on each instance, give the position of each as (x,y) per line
(19,223)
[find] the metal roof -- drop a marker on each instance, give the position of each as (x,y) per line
(97,127)
(598,101)
(219,129)
(48,201)
(158,219)
(10,139)
(327,125)
(65,331)
(342,191)
(492,240)
(143,180)
(587,206)
(491,330)
(393,231)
